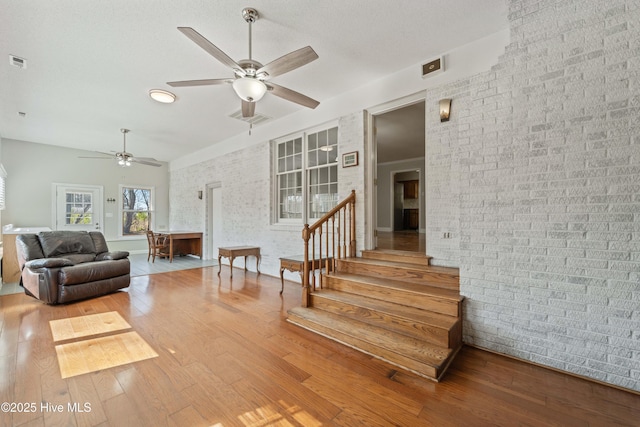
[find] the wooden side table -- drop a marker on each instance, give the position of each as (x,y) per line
(296,263)
(232,252)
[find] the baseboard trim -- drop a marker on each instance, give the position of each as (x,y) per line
(592,380)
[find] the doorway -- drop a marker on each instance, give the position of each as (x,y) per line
(77,207)
(399,165)
(214,220)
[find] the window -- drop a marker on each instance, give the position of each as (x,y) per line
(78,208)
(137,210)
(3,184)
(306,175)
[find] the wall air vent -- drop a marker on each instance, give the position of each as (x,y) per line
(255,120)
(16,61)
(433,67)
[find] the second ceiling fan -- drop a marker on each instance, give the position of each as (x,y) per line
(251,77)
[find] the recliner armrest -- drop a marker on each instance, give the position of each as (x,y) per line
(105,256)
(36,264)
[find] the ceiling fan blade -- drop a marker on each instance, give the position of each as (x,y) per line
(210,48)
(205,82)
(248,108)
(292,95)
(289,62)
(95,157)
(146,161)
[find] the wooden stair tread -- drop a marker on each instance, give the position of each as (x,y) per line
(398,252)
(397,255)
(431,268)
(410,313)
(403,285)
(415,355)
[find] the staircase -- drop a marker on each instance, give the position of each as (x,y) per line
(392,305)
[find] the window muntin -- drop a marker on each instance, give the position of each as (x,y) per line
(78,208)
(307,175)
(136,209)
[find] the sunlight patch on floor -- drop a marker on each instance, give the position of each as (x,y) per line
(102,352)
(82,326)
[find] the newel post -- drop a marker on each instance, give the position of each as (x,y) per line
(306,291)
(352,244)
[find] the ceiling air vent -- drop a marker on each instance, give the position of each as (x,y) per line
(433,67)
(255,120)
(16,61)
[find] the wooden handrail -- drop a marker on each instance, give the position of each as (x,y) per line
(332,252)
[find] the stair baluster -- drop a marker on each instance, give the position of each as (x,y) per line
(348,208)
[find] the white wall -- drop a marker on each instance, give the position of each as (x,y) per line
(536,177)
(32,168)
(543,157)
(246,185)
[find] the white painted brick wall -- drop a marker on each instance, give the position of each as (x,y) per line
(545,149)
(245,178)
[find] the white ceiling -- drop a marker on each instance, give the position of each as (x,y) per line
(90,63)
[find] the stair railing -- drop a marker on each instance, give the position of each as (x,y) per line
(339,229)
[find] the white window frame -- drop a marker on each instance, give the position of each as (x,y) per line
(3,187)
(305,169)
(121,210)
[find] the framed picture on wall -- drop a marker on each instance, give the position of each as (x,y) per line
(350,159)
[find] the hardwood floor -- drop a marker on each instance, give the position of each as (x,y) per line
(402,241)
(227,357)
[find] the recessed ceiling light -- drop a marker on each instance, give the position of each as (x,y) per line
(162,96)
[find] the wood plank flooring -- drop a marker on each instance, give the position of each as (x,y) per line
(402,241)
(227,357)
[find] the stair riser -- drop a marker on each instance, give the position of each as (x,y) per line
(383,256)
(419,330)
(425,302)
(431,278)
(427,371)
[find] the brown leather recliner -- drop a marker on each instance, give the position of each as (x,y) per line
(63,266)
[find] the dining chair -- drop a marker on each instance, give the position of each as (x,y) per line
(158,245)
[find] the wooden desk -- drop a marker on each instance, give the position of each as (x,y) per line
(296,263)
(232,252)
(184,243)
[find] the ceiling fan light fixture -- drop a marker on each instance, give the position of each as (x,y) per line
(162,96)
(249,89)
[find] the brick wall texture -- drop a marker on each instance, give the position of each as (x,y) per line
(246,186)
(537,176)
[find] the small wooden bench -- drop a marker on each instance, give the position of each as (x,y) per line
(233,252)
(296,263)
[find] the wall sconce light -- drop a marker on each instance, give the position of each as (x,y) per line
(445,109)
(200,194)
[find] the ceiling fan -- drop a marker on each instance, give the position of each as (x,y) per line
(124,158)
(250,76)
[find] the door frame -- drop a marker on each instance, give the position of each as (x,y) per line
(98,205)
(371,162)
(209,218)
